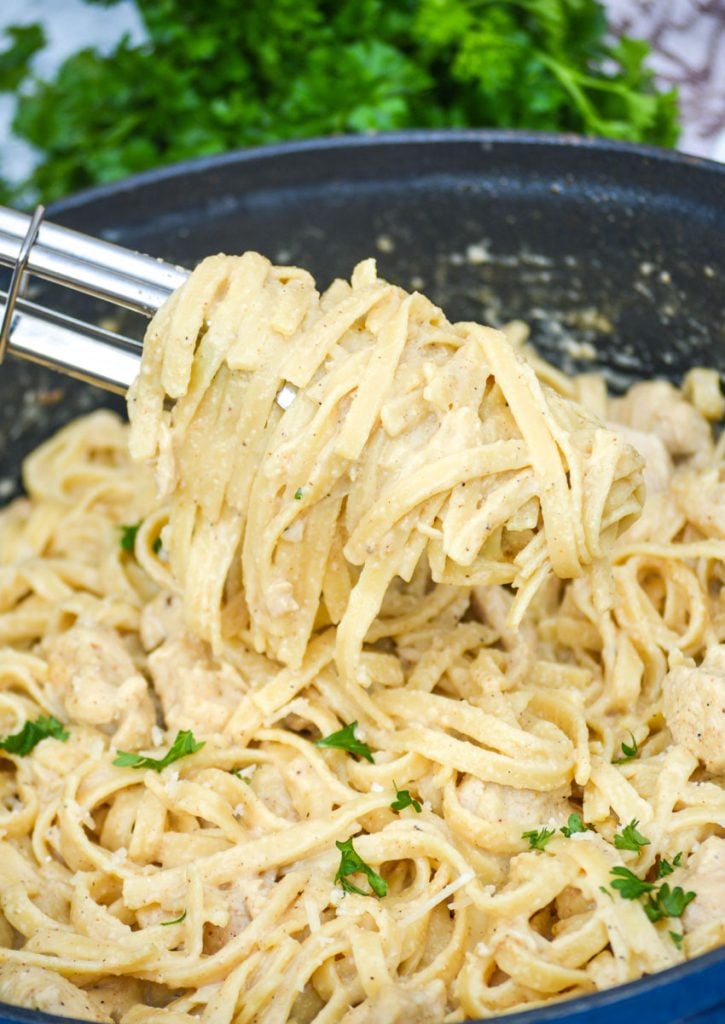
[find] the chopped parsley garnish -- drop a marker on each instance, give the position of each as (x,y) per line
(538,840)
(661,902)
(177,920)
(630,839)
(665,868)
(630,887)
(128,535)
(22,742)
(298,494)
(403,799)
(677,938)
(351,863)
(157,545)
(183,744)
(575,824)
(629,752)
(667,902)
(345,739)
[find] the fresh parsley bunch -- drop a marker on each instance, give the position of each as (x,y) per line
(214,77)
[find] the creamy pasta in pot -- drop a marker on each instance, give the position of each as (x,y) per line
(375,673)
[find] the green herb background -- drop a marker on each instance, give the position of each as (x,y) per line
(219,75)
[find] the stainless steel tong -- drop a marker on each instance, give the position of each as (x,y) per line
(99,269)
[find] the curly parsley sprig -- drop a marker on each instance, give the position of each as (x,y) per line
(403,799)
(630,839)
(183,745)
(22,742)
(629,751)
(661,901)
(538,839)
(351,863)
(575,823)
(345,739)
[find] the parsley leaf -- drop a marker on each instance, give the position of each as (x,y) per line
(575,824)
(674,901)
(183,745)
(630,839)
(629,752)
(157,545)
(538,840)
(298,494)
(15,62)
(403,799)
(177,920)
(665,868)
(677,938)
(630,887)
(351,863)
(661,902)
(344,739)
(22,742)
(128,535)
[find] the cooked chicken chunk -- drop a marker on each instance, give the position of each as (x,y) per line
(394,1005)
(656,407)
(705,875)
(525,807)
(161,619)
(38,989)
(195,692)
(694,707)
(93,675)
(701,497)
(657,461)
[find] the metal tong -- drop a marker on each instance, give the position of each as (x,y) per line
(99,269)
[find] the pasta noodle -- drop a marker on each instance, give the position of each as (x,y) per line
(345,519)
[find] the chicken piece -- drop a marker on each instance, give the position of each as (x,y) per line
(571,902)
(704,874)
(392,1004)
(39,989)
(694,708)
(656,407)
(657,461)
(492,606)
(526,807)
(701,387)
(115,996)
(195,692)
(93,675)
(660,521)
(701,497)
(161,619)
(232,908)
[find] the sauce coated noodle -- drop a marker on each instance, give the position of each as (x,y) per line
(434,540)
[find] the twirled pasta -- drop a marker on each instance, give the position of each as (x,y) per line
(206,892)
(409,437)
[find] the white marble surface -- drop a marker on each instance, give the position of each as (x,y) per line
(688,38)
(688,50)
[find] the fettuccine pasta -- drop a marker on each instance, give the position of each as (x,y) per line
(369,687)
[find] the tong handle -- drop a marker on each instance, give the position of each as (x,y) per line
(90,265)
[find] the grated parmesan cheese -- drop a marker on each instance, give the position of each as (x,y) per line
(422,909)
